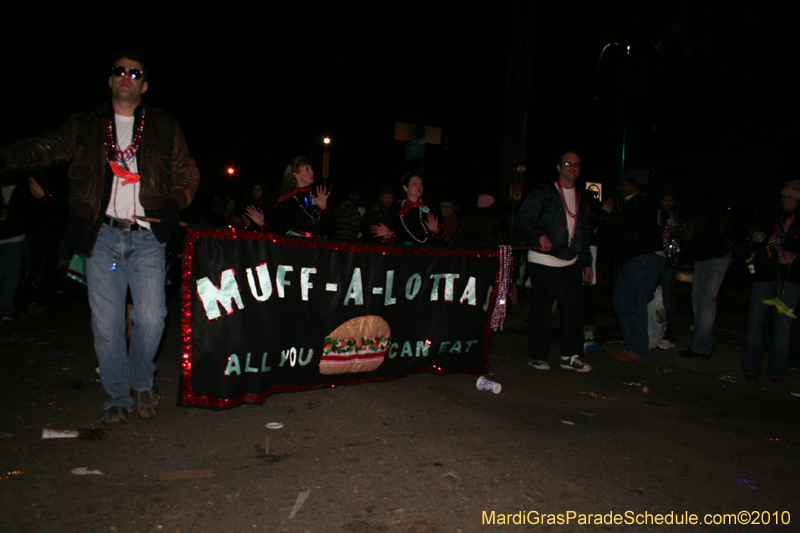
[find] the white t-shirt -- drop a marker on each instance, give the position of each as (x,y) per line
(124,202)
(549,260)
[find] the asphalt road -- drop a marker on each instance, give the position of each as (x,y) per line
(426,453)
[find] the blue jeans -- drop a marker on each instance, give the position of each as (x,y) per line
(667,281)
(11,254)
(751,349)
(635,284)
(708,276)
(123,259)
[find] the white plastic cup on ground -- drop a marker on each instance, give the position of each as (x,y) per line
(59,434)
(488,385)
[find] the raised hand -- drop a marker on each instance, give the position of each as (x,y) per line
(255,215)
(432,223)
(321,198)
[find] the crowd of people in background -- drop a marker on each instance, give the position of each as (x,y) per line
(647,235)
(306,208)
(132,175)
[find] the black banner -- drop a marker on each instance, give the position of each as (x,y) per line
(264,313)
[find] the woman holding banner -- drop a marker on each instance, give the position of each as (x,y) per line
(299,211)
(416,223)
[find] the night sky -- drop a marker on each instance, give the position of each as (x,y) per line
(706,88)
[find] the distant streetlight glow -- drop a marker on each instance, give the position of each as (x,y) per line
(326,140)
(230,171)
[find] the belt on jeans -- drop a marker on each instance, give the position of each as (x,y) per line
(124,225)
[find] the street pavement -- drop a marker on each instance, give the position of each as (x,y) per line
(666,439)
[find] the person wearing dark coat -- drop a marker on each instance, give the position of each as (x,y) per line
(383,212)
(416,223)
(555,217)
(128,163)
(638,247)
(301,210)
(776,287)
(707,236)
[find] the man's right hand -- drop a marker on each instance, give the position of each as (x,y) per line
(544,242)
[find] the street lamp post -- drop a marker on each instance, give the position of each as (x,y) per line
(622,100)
(326,159)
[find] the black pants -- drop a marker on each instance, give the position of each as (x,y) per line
(547,284)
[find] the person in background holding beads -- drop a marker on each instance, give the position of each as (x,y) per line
(298,210)
(128,162)
(416,223)
(776,287)
(554,217)
(639,249)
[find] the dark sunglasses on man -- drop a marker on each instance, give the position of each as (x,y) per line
(133,73)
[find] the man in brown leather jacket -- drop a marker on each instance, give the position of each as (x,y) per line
(128,162)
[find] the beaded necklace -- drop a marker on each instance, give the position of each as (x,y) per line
(564,201)
(569,213)
(309,209)
(424,228)
(121,157)
(113,153)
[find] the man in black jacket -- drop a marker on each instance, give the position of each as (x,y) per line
(555,216)
(707,234)
(638,246)
(127,162)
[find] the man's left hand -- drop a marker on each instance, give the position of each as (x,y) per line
(588,275)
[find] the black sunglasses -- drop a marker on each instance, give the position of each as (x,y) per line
(133,73)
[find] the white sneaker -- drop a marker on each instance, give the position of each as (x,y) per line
(575,363)
(666,345)
(538,364)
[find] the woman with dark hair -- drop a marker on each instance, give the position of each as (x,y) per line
(299,211)
(416,223)
(232,220)
(254,212)
(776,287)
